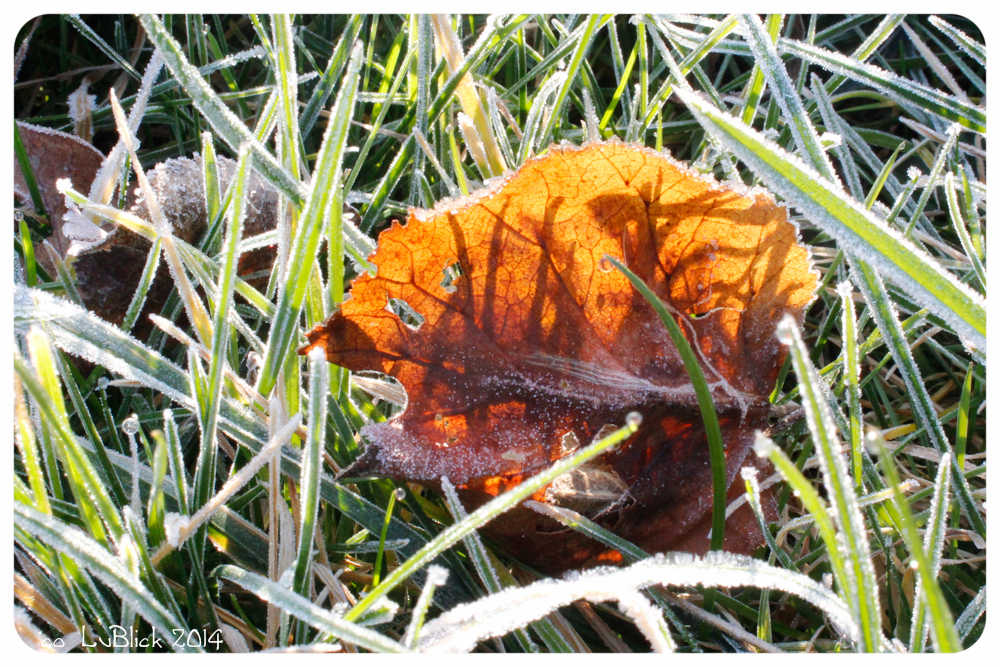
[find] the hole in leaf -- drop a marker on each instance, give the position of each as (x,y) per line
(406,313)
(451,274)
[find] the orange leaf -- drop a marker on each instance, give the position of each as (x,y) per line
(533,346)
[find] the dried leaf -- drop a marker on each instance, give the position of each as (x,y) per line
(517,344)
(108,272)
(54,155)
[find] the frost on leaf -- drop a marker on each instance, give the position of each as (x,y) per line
(108,274)
(54,155)
(109,261)
(536,345)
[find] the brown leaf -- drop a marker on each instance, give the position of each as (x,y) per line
(54,155)
(536,346)
(108,274)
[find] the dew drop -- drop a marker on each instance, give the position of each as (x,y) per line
(131,425)
(784,332)
(102,383)
(633,420)
(254,362)
(400,494)
(762,446)
(871,442)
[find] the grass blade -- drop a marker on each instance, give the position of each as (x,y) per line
(875,39)
(139,298)
(176,460)
(321,93)
(904,91)
(117,491)
(967,621)
(310,469)
(287,88)
(944,152)
(210,175)
(810,498)
(766,56)
(963,41)
(42,383)
(583,42)
(942,623)
(311,225)
(756,86)
(859,585)
(712,430)
(963,233)
(436,576)
(852,376)
(105,48)
(933,545)
(28,447)
(302,608)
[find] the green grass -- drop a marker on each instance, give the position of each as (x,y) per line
(147,489)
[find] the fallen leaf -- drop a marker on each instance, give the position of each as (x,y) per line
(517,344)
(108,272)
(54,155)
